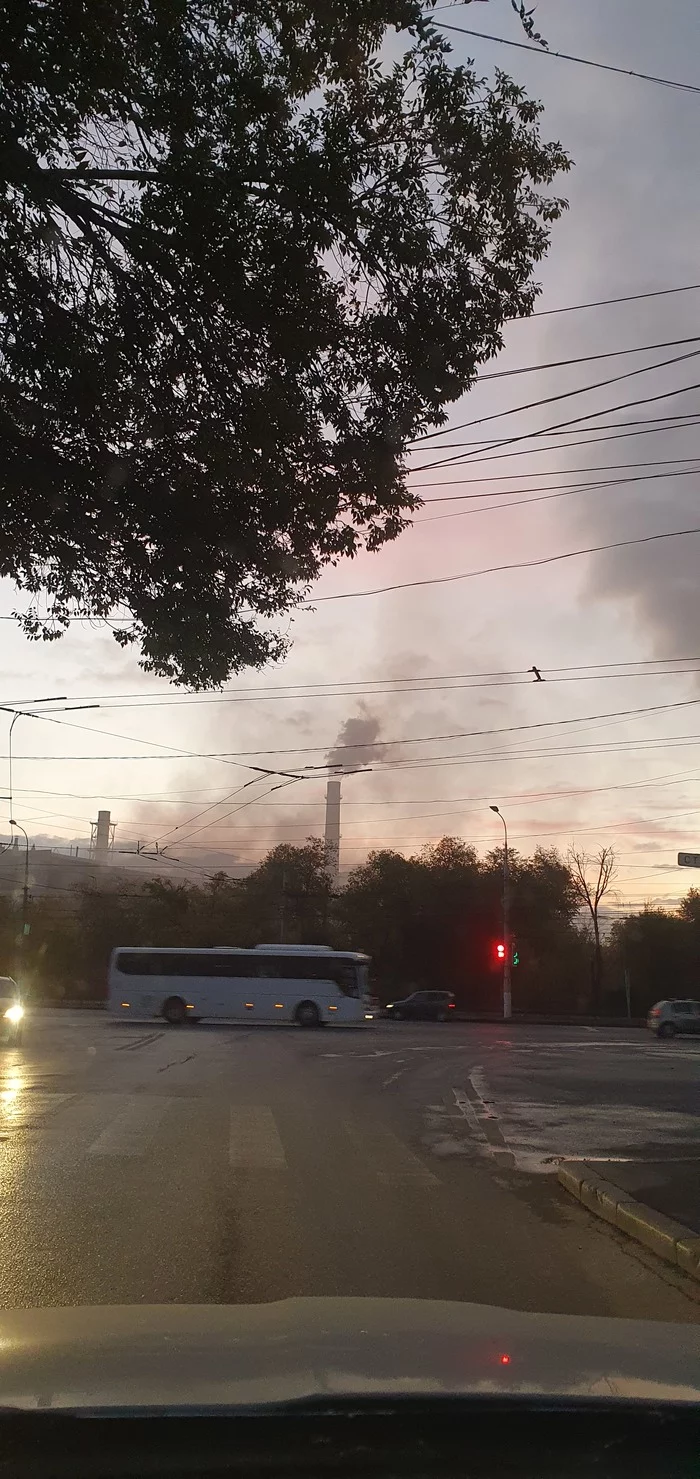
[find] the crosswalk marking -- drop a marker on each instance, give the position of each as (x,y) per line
(106,1125)
(254,1142)
(133,1129)
(18,1107)
(392,1161)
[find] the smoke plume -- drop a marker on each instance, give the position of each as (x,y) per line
(354,746)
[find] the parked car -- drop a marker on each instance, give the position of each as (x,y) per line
(677,1015)
(422,1006)
(11,1011)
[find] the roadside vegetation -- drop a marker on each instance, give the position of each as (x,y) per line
(434,918)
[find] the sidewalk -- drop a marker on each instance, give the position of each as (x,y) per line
(655,1202)
(670,1187)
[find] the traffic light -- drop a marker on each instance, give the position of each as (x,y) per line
(500,951)
(516,955)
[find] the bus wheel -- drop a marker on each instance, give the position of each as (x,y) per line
(307,1014)
(174,1011)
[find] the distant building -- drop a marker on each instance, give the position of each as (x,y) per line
(51,871)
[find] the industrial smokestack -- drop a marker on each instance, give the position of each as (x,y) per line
(102,834)
(332,833)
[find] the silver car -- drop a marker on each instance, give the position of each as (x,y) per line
(680,1014)
(11,1012)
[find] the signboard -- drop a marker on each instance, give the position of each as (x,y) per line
(689,859)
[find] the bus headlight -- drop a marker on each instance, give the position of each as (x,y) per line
(14,1013)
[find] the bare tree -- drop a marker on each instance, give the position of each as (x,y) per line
(593,877)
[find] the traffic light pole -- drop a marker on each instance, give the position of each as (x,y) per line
(508,951)
(507,997)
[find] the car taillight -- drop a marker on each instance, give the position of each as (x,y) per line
(451,1006)
(655,1012)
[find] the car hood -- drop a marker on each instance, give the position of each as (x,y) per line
(319,1350)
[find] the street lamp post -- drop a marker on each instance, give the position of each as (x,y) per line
(25,890)
(507,950)
(35,714)
(18,714)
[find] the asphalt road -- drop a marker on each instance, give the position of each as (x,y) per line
(144,1163)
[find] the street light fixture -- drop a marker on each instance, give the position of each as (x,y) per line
(507,999)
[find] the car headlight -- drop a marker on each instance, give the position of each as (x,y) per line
(14,1013)
(390,1006)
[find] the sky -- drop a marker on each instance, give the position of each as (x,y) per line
(610,632)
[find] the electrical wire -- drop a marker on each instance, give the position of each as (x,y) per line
(558,426)
(565,56)
(559,488)
(428,678)
(689,287)
(594,549)
(489,508)
(581,359)
(601,718)
(554,472)
(512,799)
(281,786)
(589,441)
(432,686)
(566,395)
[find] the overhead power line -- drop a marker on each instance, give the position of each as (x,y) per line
(526,436)
(512,501)
(549,472)
(413,686)
(666,423)
(592,549)
(689,287)
(559,487)
(520,798)
(564,395)
(419,683)
(582,359)
(582,61)
(489,756)
(466,734)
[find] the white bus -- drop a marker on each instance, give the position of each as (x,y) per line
(305,984)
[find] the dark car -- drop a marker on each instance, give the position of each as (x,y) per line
(422,1006)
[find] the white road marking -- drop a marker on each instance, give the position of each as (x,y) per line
(254,1142)
(466,1108)
(393,1076)
(134,1129)
(392,1161)
(18,1107)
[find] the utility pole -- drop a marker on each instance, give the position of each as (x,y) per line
(283,905)
(508,949)
(25,890)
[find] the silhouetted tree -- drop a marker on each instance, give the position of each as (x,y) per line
(242,266)
(592,878)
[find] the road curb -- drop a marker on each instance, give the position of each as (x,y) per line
(670,1240)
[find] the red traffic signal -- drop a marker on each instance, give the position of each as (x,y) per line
(500,951)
